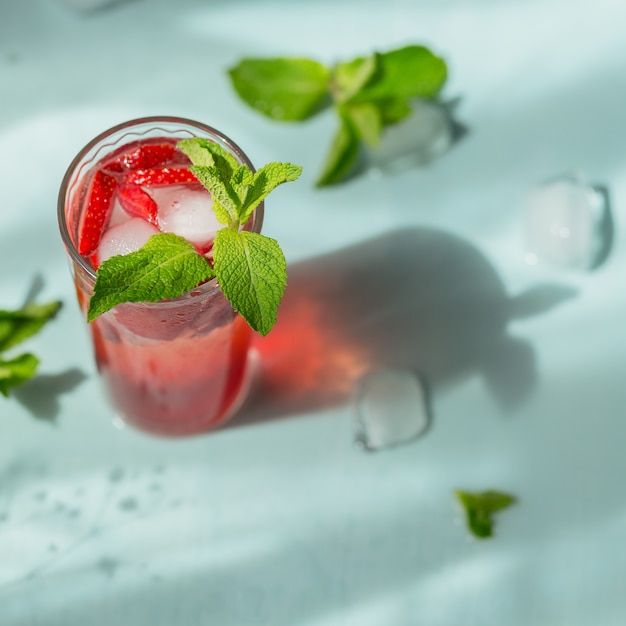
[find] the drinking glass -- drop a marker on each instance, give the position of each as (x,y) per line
(175,367)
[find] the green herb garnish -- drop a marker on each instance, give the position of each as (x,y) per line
(165,267)
(368,94)
(283,89)
(480,507)
(15,327)
(249,267)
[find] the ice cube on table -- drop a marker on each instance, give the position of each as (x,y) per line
(419,139)
(390,408)
(565,224)
(126,237)
(187,212)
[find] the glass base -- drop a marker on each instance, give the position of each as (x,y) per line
(120,422)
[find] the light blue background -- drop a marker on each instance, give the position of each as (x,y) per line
(285,522)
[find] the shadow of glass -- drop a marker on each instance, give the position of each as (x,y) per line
(419,299)
(40,395)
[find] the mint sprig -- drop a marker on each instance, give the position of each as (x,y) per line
(15,327)
(480,507)
(250,267)
(368,94)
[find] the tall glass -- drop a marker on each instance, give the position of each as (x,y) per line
(176,367)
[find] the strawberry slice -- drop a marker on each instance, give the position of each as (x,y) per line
(94,218)
(93,259)
(161,176)
(137,202)
(151,155)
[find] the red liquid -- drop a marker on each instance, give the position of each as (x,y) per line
(171,368)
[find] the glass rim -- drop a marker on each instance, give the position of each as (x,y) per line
(76,165)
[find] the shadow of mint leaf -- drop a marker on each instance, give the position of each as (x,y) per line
(36,287)
(40,395)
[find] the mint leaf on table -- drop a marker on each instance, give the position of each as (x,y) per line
(343,154)
(15,327)
(393,110)
(16,371)
(250,267)
(282,89)
(368,94)
(480,507)
(165,267)
(350,78)
(409,72)
(251,271)
(367,120)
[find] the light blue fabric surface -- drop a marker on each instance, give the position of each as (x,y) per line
(284,522)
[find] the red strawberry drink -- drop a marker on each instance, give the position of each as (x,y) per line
(174,367)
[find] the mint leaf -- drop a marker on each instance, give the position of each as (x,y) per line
(241,180)
(480,507)
(16,371)
(342,155)
(367,120)
(282,89)
(206,153)
(16,326)
(410,72)
(264,181)
(214,166)
(235,189)
(228,201)
(197,151)
(167,266)
(351,77)
(393,110)
(251,271)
